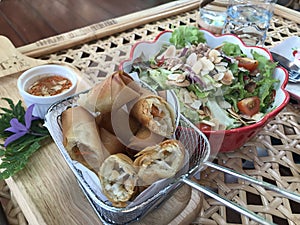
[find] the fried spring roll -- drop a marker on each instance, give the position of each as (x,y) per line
(115,91)
(118,179)
(111,142)
(81,138)
(144,138)
(156,114)
(160,161)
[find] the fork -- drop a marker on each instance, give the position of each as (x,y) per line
(294,76)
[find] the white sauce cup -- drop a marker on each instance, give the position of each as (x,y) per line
(42,103)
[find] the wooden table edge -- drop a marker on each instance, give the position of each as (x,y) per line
(106,28)
(119,24)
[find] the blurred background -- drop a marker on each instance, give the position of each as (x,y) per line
(27,21)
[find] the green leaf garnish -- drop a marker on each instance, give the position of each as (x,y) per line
(22,134)
(186,35)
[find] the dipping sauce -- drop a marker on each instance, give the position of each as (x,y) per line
(49,85)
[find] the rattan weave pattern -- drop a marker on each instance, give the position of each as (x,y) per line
(273,155)
(101,57)
(11,208)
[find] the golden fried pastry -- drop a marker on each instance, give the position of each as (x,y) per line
(144,138)
(116,90)
(119,123)
(111,142)
(81,137)
(160,161)
(118,179)
(156,114)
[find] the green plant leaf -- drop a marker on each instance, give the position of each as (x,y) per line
(15,155)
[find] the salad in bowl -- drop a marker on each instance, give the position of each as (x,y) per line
(227,89)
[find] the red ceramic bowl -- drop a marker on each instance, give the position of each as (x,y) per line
(222,140)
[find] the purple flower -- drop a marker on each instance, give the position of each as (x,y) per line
(18,128)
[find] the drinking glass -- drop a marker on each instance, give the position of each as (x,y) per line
(211,16)
(249,20)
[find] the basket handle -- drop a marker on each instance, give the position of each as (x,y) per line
(291,195)
(226,202)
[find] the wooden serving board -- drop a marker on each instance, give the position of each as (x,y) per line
(47,191)
(12,61)
(181,209)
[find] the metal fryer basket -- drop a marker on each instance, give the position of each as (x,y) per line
(194,141)
(198,149)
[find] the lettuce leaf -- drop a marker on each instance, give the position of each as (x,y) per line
(186,35)
(220,114)
(266,82)
(231,49)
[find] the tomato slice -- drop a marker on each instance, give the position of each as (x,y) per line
(203,127)
(161,62)
(249,106)
(247,63)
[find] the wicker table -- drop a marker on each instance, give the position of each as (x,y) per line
(47,191)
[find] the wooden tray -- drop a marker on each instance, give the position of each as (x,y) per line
(55,198)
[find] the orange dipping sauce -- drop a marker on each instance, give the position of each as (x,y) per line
(49,86)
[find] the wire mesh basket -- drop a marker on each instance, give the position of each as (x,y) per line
(196,146)
(198,156)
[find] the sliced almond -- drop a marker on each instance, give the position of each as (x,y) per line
(178,77)
(228,77)
(213,55)
(221,69)
(197,67)
(207,65)
(191,59)
(218,76)
(169,53)
(176,67)
(185,83)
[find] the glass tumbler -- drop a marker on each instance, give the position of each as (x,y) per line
(211,16)
(249,20)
